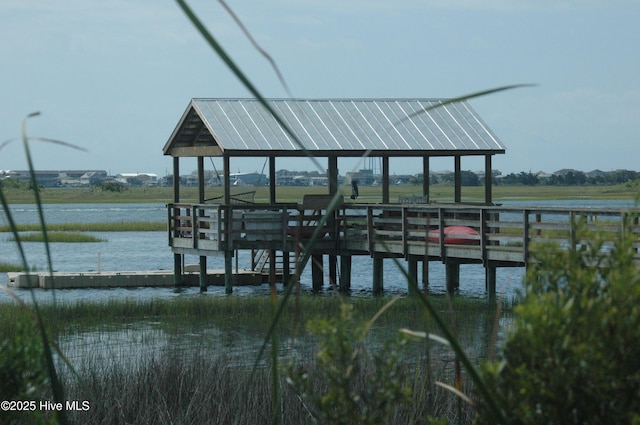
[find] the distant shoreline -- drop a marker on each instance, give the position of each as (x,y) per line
(438,193)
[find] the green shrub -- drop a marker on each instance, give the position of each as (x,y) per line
(573,355)
(358,387)
(23,373)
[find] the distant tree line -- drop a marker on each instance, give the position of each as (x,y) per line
(568,178)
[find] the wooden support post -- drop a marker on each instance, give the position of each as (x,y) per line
(385,179)
(412,269)
(491,272)
(425,275)
(272,180)
(176,179)
(452,276)
(425,178)
(272,268)
(345,273)
(177,258)
(332,163)
(333,271)
(286,268)
(203,278)
(317,272)
(177,270)
(488,198)
(227,179)
(457,196)
(332,174)
(378,275)
(200,180)
(228,272)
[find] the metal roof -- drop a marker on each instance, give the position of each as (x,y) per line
(325,127)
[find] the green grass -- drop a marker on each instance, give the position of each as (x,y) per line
(68,237)
(123,226)
(438,193)
(7,267)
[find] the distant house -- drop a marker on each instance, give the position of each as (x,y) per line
(84,178)
(248,179)
(138,179)
(58,178)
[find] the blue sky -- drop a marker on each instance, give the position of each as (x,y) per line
(115,77)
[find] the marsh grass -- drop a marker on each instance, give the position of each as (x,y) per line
(157,361)
(136,367)
(250,313)
(55,236)
(118,226)
(8,267)
(178,388)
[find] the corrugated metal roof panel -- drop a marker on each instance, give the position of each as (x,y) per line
(324,126)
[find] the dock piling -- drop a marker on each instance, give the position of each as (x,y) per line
(378,275)
(203,278)
(177,270)
(345,273)
(317,272)
(228,272)
(425,275)
(491,274)
(412,269)
(452,276)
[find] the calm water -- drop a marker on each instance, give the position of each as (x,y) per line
(132,251)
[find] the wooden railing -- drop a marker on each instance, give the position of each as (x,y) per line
(504,234)
(213,227)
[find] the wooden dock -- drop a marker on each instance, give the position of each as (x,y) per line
(501,236)
(127,279)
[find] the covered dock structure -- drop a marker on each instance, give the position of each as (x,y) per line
(329,129)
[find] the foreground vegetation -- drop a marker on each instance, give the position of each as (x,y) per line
(194,382)
(572,356)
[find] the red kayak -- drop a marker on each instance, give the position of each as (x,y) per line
(456,235)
